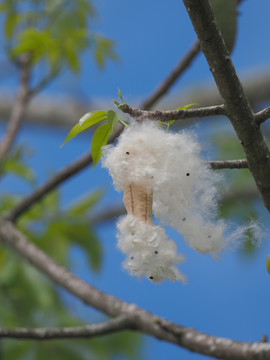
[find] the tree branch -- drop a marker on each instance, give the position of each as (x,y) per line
(45,81)
(168,115)
(88,331)
(62,111)
(140,319)
(228,164)
(164,87)
(18,109)
(262,115)
(237,106)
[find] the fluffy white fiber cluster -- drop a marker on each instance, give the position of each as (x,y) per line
(185,197)
(149,250)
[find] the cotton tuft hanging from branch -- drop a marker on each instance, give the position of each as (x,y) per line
(164,172)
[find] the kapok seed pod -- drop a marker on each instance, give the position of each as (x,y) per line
(138,202)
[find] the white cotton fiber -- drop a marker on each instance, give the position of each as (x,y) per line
(149,251)
(185,195)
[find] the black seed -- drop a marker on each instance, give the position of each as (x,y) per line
(184,219)
(209,236)
(152,177)
(127,153)
(187,174)
(132,233)
(132,257)
(156,252)
(151,277)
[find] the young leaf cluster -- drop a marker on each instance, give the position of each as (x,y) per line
(107,120)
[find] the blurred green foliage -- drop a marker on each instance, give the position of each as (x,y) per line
(14,164)
(30,300)
(267,263)
(53,34)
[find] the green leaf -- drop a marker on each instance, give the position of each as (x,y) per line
(103,50)
(116,103)
(120,96)
(267,262)
(73,230)
(41,292)
(72,59)
(94,250)
(7,202)
(100,139)
(11,21)
(125,124)
(73,132)
(88,120)
(168,124)
(92,118)
(185,107)
(9,272)
(17,168)
(225,12)
(112,118)
(86,204)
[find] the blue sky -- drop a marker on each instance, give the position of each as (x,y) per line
(229,297)
(151,36)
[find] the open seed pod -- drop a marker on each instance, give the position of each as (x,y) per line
(165,172)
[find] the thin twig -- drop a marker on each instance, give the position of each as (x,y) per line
(50,185)
(228,164)
(237,105)
(44,82)
(140,319)
(164,87)
(262,115)
(168,115)
(17,110)
(118,324)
